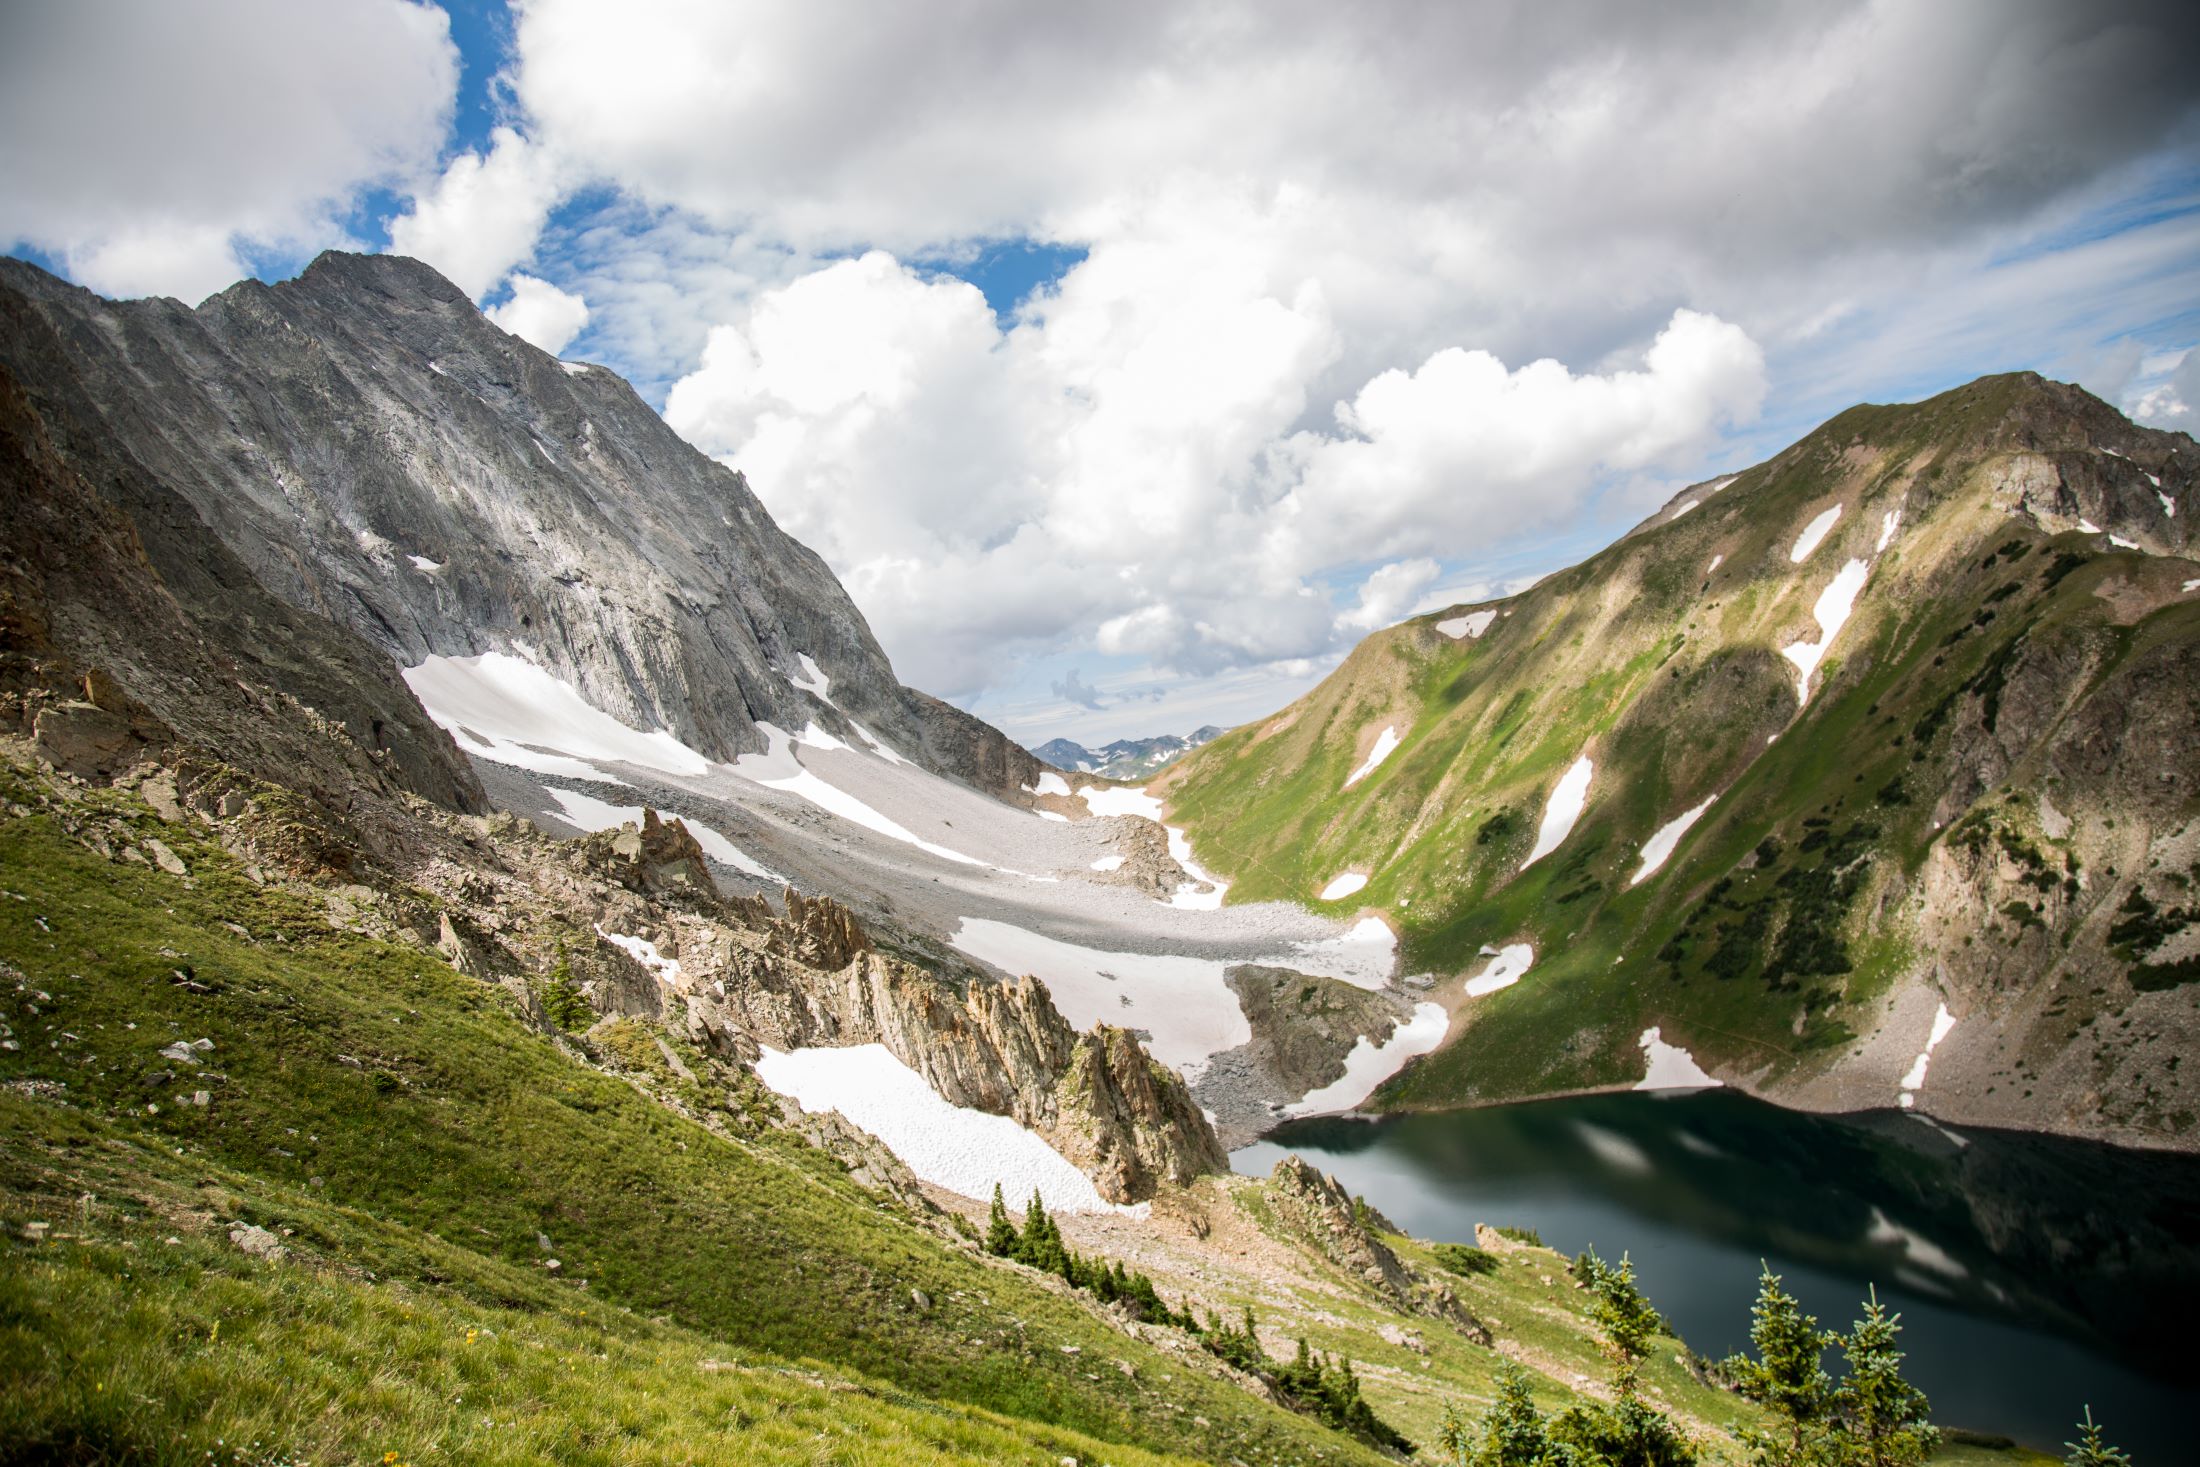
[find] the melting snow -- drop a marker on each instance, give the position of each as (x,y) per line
(1813,533)
(2089,527)
(1505,969)
(1049,783)
(1052,815)
(575,369)
(1120,802)
(1832,611)
(1671,1067)
(1563,810)
(1385,743)
(1189,895)
(1716,560)
(643,951)
(2169,505)
(1183,1003)
(584,812)
(812,680)
(1368,1065)
(2192,585)
(1113,862)
(2121,543)
(1943,1021)
(1660,846)
(1888,524)
(508,702)
(1473,624)
(424,565)
(1343,886)
(777,768)
(1363,957)
(878,748)
(965,1151)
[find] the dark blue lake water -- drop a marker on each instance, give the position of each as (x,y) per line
(2034,1275)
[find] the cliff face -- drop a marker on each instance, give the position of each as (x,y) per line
(375,452)
(1896,730)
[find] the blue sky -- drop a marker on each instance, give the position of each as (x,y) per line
(1164,353)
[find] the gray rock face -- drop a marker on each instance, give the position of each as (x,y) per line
(375,451)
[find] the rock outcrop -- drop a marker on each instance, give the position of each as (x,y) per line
(1317,1211)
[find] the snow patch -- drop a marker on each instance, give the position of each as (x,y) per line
(2121,543)
(2192,585)
(812,679)
(1054,815)
(966,1151)
(585,812)
(424,565)
(777,768)
(1369,1065)
(1813,534)
(1659,847)
(1914,1081)
(1671,1067)
(575,369)
(1676,514)
(1183,1003)
(2089,527)
(1716,562)
(2169,505)
(1120,802)
(1386,743)
(1506,967)
(1344,886)
(1188,895)
(1888,524)
(1112,862)
(643,951)
(1473,624)
(1563,809)
(503,700)
(883,750)
(1832,613)
(1049,783)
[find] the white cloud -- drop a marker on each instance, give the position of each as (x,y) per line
(2175,401)
(541,313)
(145,144)
(1387,595)
(483,216)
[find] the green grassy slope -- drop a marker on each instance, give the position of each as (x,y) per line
(1660,659)
(414,1133)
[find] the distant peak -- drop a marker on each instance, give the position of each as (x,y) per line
(389,274)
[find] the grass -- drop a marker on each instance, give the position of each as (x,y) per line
(415,1105)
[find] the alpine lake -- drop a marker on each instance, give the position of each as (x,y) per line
(2035,1275)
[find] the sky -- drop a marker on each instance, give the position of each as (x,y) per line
(1128,363)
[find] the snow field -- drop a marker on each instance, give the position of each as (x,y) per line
(1832,610)
(1660,847)
(1386,743)
(643,951)
(1563,809)
(1364,957)
(1346,885)
(966,1151)
(1369,1065)
(1914,1081)
(1473,624)
(812,680)
(502,702)
(1507,965)
(1671,1067)
(1813,534)
(777,768)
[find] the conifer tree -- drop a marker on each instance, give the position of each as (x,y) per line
(563,1003)
(1000,1233)
(1887,1419)
(2090,1451)
(1788,1376)
(1512,1433)
(1631,1432)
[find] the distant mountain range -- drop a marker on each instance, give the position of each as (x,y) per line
(1126,758)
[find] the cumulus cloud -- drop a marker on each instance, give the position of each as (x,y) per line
(541,313)
(149,146)
(483,215)
(2174,403)
(1123,466)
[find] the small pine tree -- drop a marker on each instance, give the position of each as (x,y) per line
(563,1003)
(1887,1419)
(2090,1451)
(1512,1433)
(1788,1376)
(1000,1234)
(1630,1432)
